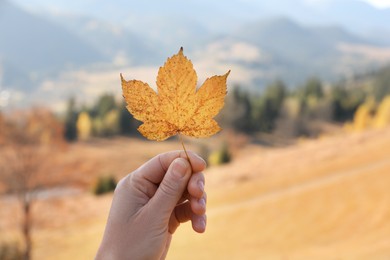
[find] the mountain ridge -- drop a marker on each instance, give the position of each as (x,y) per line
(36,46)
(260,51)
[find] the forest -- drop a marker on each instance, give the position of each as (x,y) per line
(290,112)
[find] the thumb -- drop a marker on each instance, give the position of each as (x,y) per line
(171,188)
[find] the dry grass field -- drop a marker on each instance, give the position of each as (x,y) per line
(327,198)
(322,199)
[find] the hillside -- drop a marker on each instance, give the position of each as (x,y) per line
(266,49)
(324,199)
(46,56)
(217,15)
(32,46)
(111,40)
(318,199)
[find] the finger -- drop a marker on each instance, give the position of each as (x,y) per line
(198,205)
(145,188)
(196,185)
(171,188)
(184,198)
(184,213)
(155,169)
(181,214)
(199,223)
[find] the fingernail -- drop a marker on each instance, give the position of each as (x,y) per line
(202,223)
(201,186)
(179,168)
(202,202)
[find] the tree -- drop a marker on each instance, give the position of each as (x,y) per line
(244,121)
(127,124)
(27,142)
(363,117)
(111,123)
(106,126)
(269,107)
(382,117)
(345,102)
(70,121)
(276,92)
(237,113)
(381,85)
(105,104)
(313,87)
(84,126)
(289,123)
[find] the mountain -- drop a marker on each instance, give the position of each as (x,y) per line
(354,15)
(109,39)
(293,52)
(36,48)
(219,16)
(30,46)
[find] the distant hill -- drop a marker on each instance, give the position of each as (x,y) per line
(152,17)
(293,52)
(32,45)
(111,40)
(355,15)
(37,47)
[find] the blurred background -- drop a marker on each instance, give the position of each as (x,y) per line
(300,171)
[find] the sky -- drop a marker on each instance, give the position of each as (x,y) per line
(87,6)
(380,3)
(125,12)
(77,4)
(376,3)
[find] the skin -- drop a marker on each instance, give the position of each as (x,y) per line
(149,205)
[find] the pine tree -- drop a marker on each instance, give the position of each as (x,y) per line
(70,121)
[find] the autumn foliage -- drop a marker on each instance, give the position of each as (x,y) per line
(28,141)
(177,107)
(371,115)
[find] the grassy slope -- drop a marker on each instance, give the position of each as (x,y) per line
(325,199)
(321,199)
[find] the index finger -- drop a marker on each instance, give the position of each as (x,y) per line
(154,170)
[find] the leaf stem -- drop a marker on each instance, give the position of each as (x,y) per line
(185,151)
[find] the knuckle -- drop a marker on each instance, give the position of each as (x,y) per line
(139,184)
(120,185)
(169,188)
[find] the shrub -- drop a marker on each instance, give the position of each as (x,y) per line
(104,184)
(10,251)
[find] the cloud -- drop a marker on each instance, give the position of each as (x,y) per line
(376,3)
(379,3)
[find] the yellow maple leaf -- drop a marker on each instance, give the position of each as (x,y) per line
(177,107)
